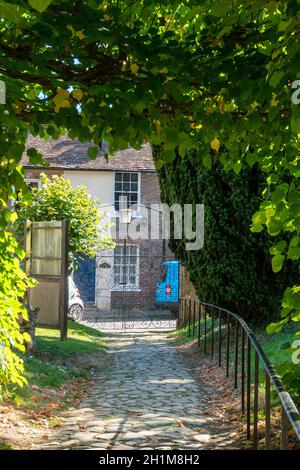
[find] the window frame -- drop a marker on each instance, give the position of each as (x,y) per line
(138,192)
(33,180)
(128,286)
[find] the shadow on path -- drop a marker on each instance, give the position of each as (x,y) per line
(149,398)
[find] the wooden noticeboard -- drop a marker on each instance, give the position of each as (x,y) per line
(47,250)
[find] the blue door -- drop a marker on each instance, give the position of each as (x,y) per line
(167,288)
(85,279)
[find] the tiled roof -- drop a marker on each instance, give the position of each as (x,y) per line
(68,154)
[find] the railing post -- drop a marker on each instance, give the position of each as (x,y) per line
(179,312)
(204,309)
(255,404)
(186,314)
(267,411)
(236,353)
(248,388)
(212,333)
(284,438)
(189,312)
(227,345)
(199,324)
(220,340)
(243,373)
(194,318)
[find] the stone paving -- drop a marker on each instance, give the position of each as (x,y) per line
(147,398)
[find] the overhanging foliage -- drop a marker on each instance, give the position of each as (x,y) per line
(211,76)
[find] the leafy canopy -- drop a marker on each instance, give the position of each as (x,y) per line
(211,76)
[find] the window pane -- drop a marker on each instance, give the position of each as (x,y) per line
(134,177)
(133,199)
(118,176)
(126,265)
(126,176)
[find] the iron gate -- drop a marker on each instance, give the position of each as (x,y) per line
(126,292)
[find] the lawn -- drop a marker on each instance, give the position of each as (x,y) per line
(54,362)
(81,339)
(275,345)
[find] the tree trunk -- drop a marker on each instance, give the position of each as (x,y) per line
(29,326)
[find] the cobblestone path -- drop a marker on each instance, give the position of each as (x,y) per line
(148,398)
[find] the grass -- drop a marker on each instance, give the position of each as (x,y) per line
(184,335)
(81,339)
(55,362)
(273,345)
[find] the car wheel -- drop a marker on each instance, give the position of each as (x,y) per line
(76,312)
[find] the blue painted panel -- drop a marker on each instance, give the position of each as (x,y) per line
(84,278)
(169,281)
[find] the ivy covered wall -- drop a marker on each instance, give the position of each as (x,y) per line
(233,269)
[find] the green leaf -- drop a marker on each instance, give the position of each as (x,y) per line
(93,152)
(278,248)
(293,252)
(276,327)
(295,120)
(237,167)
(159,164)
(273,328)
(274,227)
(39,5)
(207,161)
(276,78)
(259,217)
(256,228)
(35,157)
(9,11)
(182,149)
(169,156)
(277,261)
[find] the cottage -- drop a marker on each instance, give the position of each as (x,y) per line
(128,273)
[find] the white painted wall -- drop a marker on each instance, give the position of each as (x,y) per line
(99,184)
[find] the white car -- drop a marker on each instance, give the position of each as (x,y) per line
(76,306)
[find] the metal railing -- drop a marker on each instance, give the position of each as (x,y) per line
(226,336)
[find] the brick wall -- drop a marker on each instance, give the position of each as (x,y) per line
(152,253)
(186,287)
